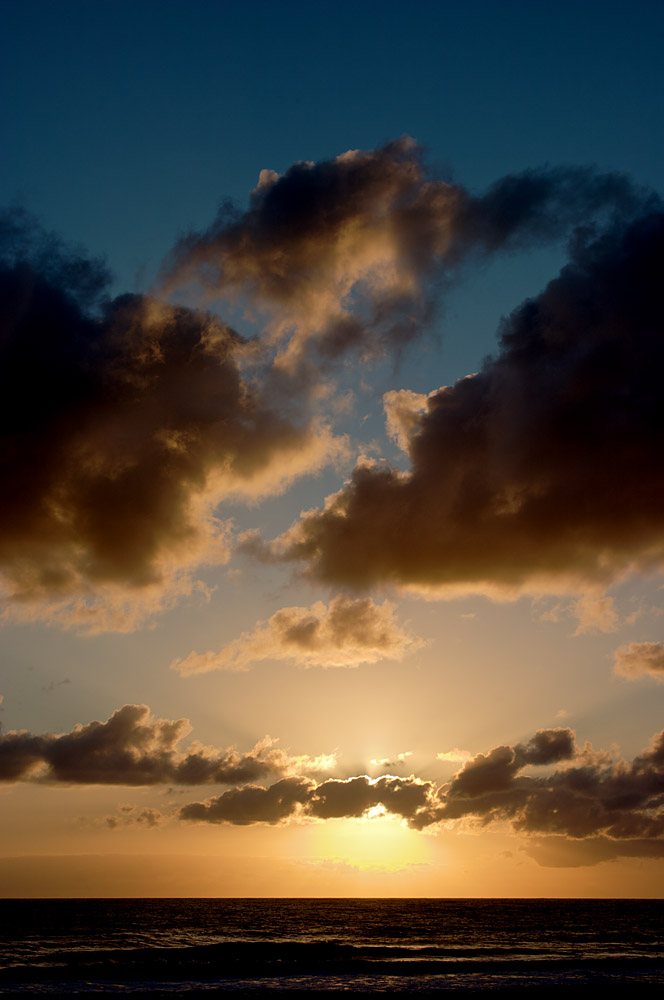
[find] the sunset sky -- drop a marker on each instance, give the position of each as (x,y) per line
(332,444)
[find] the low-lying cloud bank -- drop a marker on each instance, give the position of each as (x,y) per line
(134,748)
(587,796)
(543,471)
(615,808)
(344,633)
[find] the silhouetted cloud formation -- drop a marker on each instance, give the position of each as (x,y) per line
(344,634)
(346,253)
(541,472)
(587,795)
(134,748)
(298,796)
(640,659)
(583,794)
(125,422)
(122,424)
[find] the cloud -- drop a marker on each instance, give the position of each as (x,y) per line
(134,748)
(593,613)
(398,760)
(542,472)
(350,253)
(560,852)
(302,797)
(127,421)
(131,816)
(614,807)
(640,659)
(344,633)
(334,253)
(454,756)
(124,423)
(589,797)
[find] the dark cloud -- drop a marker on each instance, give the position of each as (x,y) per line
(134,748)
(592,796)
(126,421)
(543,470)
(122,423)
(333,798)
(616,808)
(348,253)
(253,804)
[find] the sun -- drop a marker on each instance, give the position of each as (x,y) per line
(377,840)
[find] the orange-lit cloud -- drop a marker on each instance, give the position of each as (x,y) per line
(542,472)
(134,748)
(640,659)
(333,252)
(344,633)
(295,796)
(587,796)
(124,424)
(343,254)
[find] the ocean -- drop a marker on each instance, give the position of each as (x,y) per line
(199,946)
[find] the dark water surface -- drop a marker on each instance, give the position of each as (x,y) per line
(174,946)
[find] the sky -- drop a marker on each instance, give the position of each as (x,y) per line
(332,535)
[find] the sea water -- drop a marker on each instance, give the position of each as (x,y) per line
(110,946)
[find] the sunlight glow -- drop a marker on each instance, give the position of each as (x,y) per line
(376,840)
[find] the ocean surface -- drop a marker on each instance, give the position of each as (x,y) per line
(181,946)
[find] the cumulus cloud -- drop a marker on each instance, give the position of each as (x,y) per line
(346,253)
(344,633)
(124,423)
(616,808)
(416,800)
(591,796)
(127,421)
(333,252)
(302,797)
(542,472)
(640,659)
(134,748)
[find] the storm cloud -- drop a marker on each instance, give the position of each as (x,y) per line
(134,748)
(344,633)
(543,471)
